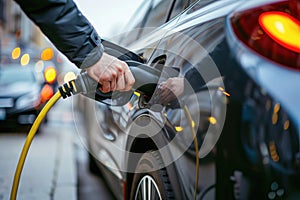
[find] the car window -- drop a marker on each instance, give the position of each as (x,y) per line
(158,13)
(151,14)
(179,6)
(138,18)
(200,4)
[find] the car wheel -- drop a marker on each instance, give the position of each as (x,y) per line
(152,181)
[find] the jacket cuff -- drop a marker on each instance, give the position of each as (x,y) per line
(93,57)
(96,50)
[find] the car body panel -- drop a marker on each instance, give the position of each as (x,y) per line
(241,109)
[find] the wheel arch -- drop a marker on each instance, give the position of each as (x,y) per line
(142,144)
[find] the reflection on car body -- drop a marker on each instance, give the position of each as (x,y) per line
(243,104)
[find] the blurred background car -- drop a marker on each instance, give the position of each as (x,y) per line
(240,60)
(23,93)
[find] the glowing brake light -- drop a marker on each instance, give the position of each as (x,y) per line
(50,75)
(283,28)
(271,30)
(46,93)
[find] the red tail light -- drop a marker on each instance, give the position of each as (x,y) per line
(282,28)
(46,93)
(272,30)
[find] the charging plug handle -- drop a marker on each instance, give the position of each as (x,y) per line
(146,79)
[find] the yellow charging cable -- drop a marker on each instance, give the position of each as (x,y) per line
(66,90)
(31,134)
(189,117)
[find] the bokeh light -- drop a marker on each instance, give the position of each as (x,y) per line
(39,66)
(25,59)
(69,76)
(16,52)
(50,74)
(46,93)
(47,54)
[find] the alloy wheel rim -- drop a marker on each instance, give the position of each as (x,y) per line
(147,189)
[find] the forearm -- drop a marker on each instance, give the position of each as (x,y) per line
(67,29)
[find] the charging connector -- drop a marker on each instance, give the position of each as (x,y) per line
(82,84)
(146,79)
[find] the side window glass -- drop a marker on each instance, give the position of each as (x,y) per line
(151,14)
(137,20)
(159,13)
(200,5)
(181,5)
(131,31)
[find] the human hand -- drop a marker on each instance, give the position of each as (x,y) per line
(171,89)
(112,73)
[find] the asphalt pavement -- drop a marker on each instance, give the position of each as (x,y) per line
(55,163)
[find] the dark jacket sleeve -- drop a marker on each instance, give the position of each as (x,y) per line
(67,29)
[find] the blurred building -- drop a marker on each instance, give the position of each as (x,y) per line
(14,22)
(20,38)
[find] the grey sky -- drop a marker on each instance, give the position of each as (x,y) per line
(108,16)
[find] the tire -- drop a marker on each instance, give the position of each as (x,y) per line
(157,180)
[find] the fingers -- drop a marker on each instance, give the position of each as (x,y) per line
(113,84)
(166,94)
(112,73)
(105,87)
(121,83)
(170,89)
(129,79)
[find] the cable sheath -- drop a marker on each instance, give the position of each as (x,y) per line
(31,134)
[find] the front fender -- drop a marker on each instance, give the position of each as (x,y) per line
(146,134)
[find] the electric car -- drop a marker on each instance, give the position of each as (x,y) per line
(223,120)
(22,95)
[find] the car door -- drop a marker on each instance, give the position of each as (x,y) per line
(192,48)
(107,124)
(108,131)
